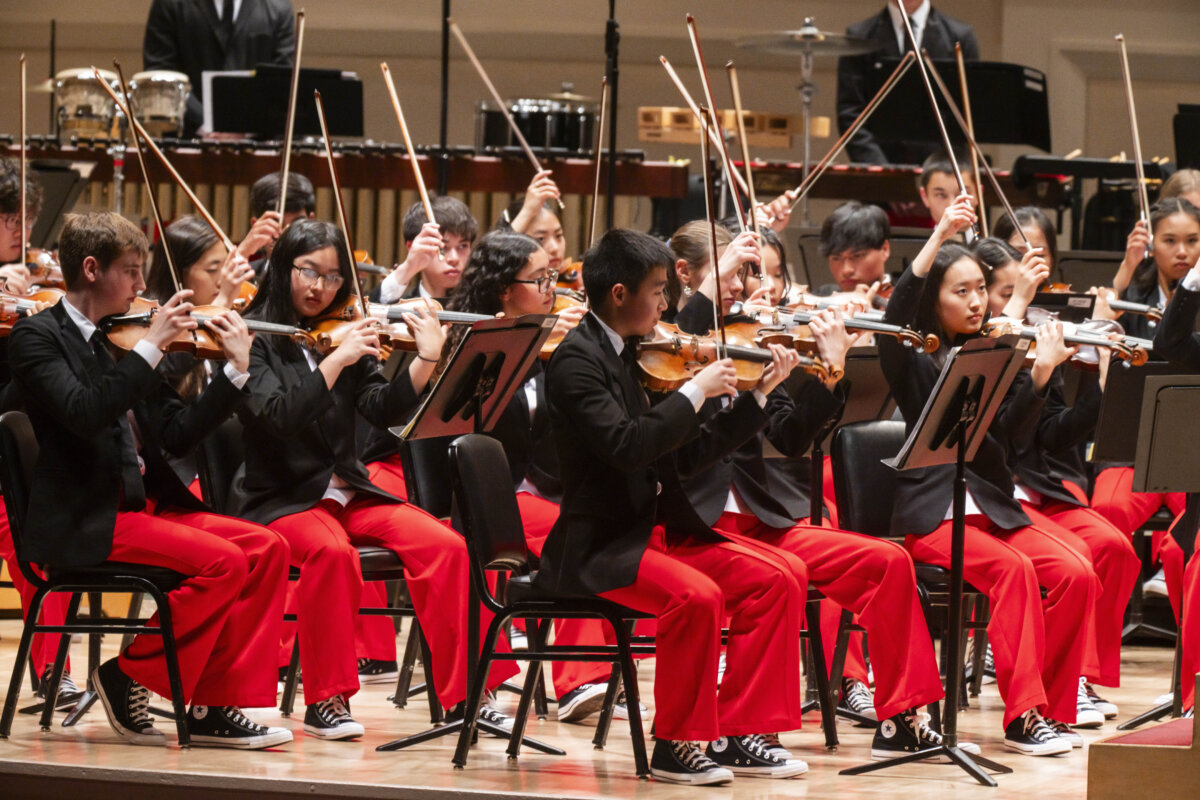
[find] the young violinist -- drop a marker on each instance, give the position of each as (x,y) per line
(14,275)
(854,239)
(869,576)
(1039,654)
(536,214)
(1038,229)
(1185,183)
(438,251)
(1177,341)
(1050,479)
(103,491)
(626,532)
(938,185)
(303,478)
(265,223)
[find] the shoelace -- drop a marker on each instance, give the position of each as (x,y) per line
(1036,727)
(757,746)
(139,705)
(333,710)
(691,755)
(922,730)
(858,697)
(1082,699)
(236,716)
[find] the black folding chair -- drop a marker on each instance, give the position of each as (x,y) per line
(18,454)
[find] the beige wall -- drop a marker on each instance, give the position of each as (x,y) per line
(531,47)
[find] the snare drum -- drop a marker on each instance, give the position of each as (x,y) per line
(159,99)
(544,122)
(84,109)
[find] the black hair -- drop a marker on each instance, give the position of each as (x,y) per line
(451,215)
(621,256)
(10,189)
(1004,229)
(771,239)
(273,301)
(493,267)
(926,319)
(992,254)
(939,162)
(1146,274)
(264,194)
(854,226)
(189,238)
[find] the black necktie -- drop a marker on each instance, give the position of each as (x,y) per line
(131,472)
(633,377)
(227,17)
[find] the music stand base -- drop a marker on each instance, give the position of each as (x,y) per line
(1153,715)
(454,726)
(1146,629)
(972,765)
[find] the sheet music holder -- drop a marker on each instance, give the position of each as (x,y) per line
(1116,437)
(952,426)
(62,182)
(256,101)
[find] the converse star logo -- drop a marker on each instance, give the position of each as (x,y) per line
(720,744)
(199,712)
(887,728)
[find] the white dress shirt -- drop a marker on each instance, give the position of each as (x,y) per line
(918,19)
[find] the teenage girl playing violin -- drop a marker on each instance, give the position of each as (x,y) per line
(14,275)
(303,477)
(537,215)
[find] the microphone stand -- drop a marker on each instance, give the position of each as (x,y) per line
(443,157)
(612,43)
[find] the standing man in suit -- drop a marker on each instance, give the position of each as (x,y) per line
(191,36)
(935,32)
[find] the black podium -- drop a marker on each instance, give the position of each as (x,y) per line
(951,428)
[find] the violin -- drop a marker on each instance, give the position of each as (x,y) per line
(796,322)
(668,358)
(44,269)
(570,276)
(16,307)
(563,299)
(1131,353)
(126,330)
(1154,313)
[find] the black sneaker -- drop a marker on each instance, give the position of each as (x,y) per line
(1065,732)
(68,692)
(857,697)
(685,762)
(330,719)
(581,702)
(621,707)
(753,757)
(908,732)
(776,748)
(127,704)
(227,726)
(989,664)
(489,713)
(1086,714)
(371,670)
(1030,734)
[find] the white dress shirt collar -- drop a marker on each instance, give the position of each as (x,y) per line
(918,19)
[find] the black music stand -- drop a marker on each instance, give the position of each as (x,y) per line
(952,426)
(1167,460)
(256,101)
(476,386)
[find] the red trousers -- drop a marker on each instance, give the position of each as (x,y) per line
(1038,651)
(1183,585)
(1127,510)
(323,543)
(54,608)
(691,588)
(226,613)
(1115,563)
(873,578)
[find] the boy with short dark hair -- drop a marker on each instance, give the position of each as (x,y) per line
(265,223)
(438,252)
(854,238)
(938,185)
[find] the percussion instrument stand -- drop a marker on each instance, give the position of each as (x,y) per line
(117,153)
(808,90)
(612,47)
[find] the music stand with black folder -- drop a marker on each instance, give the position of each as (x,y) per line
(951,428)
(475,387)
(1168,460)
(256,102)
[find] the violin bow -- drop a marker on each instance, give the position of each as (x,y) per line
(158,220)
(691,103)
(722,149)
(289,125)
(341,205)
(731,71)
(24,257)
(715,257)
(491,87)
(594,220)
(408,145)
(969,234)
(987,169)
(179,181)
(1139,166)
(962,85)
(806,185)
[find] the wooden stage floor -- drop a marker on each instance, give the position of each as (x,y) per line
(89,761)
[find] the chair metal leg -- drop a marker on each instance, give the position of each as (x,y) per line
(408,665)
(64,642)
(828,716)
(436,715)
(540,631)
(135,610)
(170,653)
(287,703)
(475,695)
(979,655)
(632,699)
(23,648)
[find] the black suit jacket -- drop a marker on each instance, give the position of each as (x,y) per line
(941,33)
(1049,456)
(1175,338)
(299,433)
(617,455)
(527,439)
(923,495)
(75,406)
(186,36)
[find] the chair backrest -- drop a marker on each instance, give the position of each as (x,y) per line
(18,455)
(217,460)
(1086,268)
(486,509)
(865,487)
(426,464)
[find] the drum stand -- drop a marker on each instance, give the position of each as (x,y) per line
(808,90)
(117,153)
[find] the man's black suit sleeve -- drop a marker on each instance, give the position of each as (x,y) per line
(1175,338)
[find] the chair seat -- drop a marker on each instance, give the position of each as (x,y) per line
(521,589)
(380,564)
(109,572)
(937,579)
(1161,520)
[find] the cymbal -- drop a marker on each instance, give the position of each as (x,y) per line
(43,87)
(807,41)
(570,97)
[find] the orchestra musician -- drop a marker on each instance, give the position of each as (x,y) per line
(438,251)
(938,185)
(265,222)
(855,240)
(14,275)
(1038,229)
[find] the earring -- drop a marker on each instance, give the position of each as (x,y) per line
(688,291)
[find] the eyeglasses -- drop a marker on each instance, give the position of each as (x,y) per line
(544,283)
(12,222)
(310,276)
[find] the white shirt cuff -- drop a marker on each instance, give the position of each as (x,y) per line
(236,377)
(390,290)
(693,393)
(151,354)
(1191,281)
(760,398)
